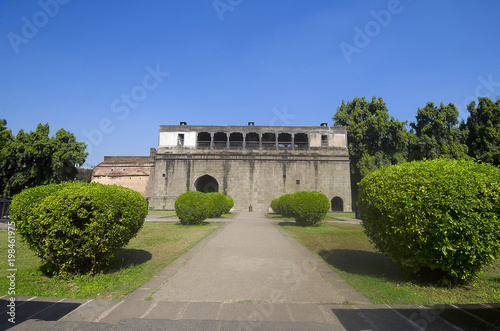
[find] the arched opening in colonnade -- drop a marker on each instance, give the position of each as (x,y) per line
(236,140)
(204,140)
(220,140)
(252,140)
(301,141)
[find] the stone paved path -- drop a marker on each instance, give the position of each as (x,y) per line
(250,260)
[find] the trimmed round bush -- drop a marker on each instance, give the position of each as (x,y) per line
(437,219)
(193,207)
(309,207)
(275,205)
(229,204)
(219,204)
(78,228)
(285,206)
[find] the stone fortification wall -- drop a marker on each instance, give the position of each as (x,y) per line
(252,180)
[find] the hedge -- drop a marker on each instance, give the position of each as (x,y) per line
(436,219)
(229,204)
(307,207)
(78,228)
(220,204)
(193,207)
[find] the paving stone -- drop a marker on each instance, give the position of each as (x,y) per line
(90,311)
(203,311)
(155,282)
(129,309)
(423,318)
(489,315)
(32,307)
(167,310)
(139,294)
(237,312)
(277,312)
(306,313)
(58,309)
(382,317)
(40,325)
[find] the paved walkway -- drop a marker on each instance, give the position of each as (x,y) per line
(247,275)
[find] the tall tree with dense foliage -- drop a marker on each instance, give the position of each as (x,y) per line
(375,139)
(34,158)
(5,140)
(483,125)
(5,134)
(438,133)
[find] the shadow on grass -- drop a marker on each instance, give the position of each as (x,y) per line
(287,223)
(362,263)
(127,257)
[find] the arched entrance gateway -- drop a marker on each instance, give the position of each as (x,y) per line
(207,184)
(337,204)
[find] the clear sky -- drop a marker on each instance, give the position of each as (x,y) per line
(112,71)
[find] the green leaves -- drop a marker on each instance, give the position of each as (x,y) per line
(194,207)
(441,216)
(375,139)
(307,207)
(34,158)
(437,133)
(78,227)
(483,125)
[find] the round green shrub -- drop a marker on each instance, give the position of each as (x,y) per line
(219,204)
(275,206)
(436,219)
(78,228)
(23,203)
(309,207)
(193,207)
(229,204)
(285,205)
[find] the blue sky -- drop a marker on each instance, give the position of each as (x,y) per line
(111,72)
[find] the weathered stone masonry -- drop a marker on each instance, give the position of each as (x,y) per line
(252,164)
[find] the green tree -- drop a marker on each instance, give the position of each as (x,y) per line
(5,140)
(5,134)
(375,139)
(437,133)
(34,158)
(483,125)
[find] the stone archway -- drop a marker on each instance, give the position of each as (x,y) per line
(337,204)
(207,184)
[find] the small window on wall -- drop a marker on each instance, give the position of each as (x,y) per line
(324,140)
(180,139)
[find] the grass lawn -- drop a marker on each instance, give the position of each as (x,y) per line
(172,213)
(348,251)
(227,216)
(161,212)
(329,217)
(337,214)
(156,245)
